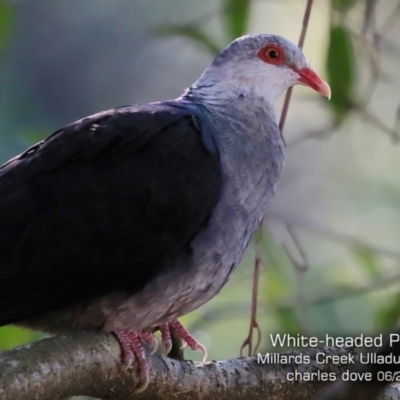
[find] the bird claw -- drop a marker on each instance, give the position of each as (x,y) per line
(132,349)
(149,338)
(181,331)
(203,349)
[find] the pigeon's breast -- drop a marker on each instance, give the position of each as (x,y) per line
(251,168)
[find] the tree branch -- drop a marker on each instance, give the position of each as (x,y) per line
(88,363)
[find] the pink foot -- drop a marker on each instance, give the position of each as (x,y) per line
(180,330)
(166,336)
(132,349)
(149,338)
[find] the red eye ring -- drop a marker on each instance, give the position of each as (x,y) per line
(272,54)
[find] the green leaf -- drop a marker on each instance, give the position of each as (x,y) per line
(340,65)
(368,260)
(343,5)
(277,286)
(389,315)
(6,24)
(236,17)
(288,321)
(192,33)
(11,336)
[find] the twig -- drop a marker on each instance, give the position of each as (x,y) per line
(300,269)
(320,134)
(322,230)
(285,108)
(397,121)
(394,136)
(391,21)
(347,294)
(254,299)
(369,15)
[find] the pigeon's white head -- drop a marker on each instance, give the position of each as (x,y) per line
(258,65)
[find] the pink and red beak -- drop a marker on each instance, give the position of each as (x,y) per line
(309,78)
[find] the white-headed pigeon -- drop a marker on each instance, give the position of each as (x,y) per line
(128,219)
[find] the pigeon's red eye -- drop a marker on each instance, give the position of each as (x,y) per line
(272,54)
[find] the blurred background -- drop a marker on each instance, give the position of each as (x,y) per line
(330,246)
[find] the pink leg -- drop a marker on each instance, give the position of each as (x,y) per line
(166,337)
(180,330)
(149,338)
(132,349)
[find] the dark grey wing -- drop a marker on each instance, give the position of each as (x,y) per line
(102,205)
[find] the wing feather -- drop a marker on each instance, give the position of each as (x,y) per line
(101,205)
